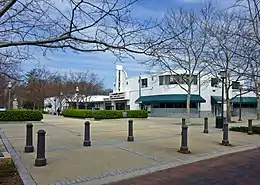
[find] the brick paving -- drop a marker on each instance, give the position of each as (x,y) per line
(232,169)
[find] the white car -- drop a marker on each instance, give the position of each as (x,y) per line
(2,109)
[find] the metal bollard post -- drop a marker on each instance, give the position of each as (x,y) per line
(250,127)
(130,131)
(206,125)
(225,140)
(183,122)
(87,141)
(29,139)
(184,140)
(40,159)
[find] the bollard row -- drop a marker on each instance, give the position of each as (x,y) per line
(87,141)
(184,138)
(225,140)
(206,126)
(250,127)
(29,138)
(130,137)
(40,159)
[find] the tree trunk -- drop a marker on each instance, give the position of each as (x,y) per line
(188,109)
(228,106)
(258,106)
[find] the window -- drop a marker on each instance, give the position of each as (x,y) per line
(162,105)
(161,80)
(235,85)
(175,79)
(144,83)
(156,105)
(194,79)
(214,82)
(169,105)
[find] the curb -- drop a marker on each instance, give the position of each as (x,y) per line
(25,176)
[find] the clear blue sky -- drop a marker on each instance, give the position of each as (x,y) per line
(104,63)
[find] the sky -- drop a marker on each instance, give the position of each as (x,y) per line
(103,63)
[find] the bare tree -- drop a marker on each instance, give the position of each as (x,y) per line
(80,25)
(251,14)
(250,55)
(181,49)
(222,52)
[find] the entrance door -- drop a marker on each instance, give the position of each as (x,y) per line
(120,106)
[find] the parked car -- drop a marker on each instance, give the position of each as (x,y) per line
(2,108)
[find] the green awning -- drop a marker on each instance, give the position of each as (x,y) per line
(170,98)
(244,100)
(216,100)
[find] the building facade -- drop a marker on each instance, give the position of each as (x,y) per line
(162,96)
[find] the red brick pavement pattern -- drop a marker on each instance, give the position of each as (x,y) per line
(241,168)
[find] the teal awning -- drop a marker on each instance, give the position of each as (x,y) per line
(216,100)
(244,100)
(170,98)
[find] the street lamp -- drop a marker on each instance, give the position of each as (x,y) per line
(55,110)
(61,95)
(225,141)
(240,101)
(77,91)
(9,94)
(223,76)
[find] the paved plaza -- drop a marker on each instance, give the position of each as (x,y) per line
(111,157)
(240,168)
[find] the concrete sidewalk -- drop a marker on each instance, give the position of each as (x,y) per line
(111,157)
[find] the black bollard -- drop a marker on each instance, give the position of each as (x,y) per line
(29,139)
(250,127)
(184,140)
(206,126)
(87,141)
(225,140)
(130,131)
(41,160)
(183,122)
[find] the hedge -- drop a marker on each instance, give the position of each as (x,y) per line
(77,113)
(256,130)
(21,115)
(104,114)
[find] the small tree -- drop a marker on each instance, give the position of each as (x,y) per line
(181,48)
(225,41)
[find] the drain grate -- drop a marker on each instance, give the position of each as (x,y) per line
(1,154)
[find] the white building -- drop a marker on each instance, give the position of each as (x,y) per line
(162,96)
(97,102)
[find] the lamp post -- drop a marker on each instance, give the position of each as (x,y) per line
(240,101)
(77,102)
(9,94)
(55,110)
(61,95)
(223,76)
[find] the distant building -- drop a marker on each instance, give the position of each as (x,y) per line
(162,96)
(96,102)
